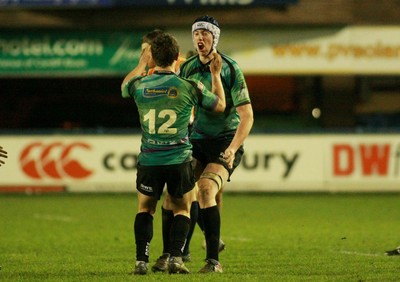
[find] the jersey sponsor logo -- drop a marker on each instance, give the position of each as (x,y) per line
(171,92)
(155,92)
(161,142)
(53,160)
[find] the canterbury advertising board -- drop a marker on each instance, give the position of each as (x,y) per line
(270,163)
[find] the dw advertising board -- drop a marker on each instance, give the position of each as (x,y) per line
(274,163)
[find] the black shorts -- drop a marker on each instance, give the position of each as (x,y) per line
(209,151)
(179,179)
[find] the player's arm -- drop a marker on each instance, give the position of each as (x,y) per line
(217,88)
(246,123)
(144,60)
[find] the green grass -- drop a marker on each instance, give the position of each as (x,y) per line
(269,237)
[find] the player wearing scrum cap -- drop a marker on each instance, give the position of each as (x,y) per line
(217,138)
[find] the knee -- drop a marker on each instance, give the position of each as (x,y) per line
(149,210)
(147,206)
(206,189)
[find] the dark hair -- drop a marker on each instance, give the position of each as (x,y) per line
(149,37)
(165,50)
(208,19)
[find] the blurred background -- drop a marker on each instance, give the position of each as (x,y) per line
(338,68)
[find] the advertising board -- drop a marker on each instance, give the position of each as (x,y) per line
(271,163)
(357,50)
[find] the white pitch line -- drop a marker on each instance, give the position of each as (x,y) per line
(232,238)
(359,254)
(51,217)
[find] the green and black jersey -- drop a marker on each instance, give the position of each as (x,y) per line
(207,124)
(164,101)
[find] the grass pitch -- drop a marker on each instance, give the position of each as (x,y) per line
(269,237)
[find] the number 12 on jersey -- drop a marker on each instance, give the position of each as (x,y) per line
(165,127)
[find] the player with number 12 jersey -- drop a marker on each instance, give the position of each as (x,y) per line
(164,97)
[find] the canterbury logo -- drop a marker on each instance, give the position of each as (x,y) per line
(53,160)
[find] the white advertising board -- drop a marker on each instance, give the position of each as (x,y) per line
(82,163)
(310,50)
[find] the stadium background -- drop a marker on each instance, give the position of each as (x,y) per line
(320,124)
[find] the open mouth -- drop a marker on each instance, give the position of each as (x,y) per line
(200,46)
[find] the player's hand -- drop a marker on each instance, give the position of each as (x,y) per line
(146,56)
(216,63)
(228,156)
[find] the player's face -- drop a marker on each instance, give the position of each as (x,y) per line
(203,41)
